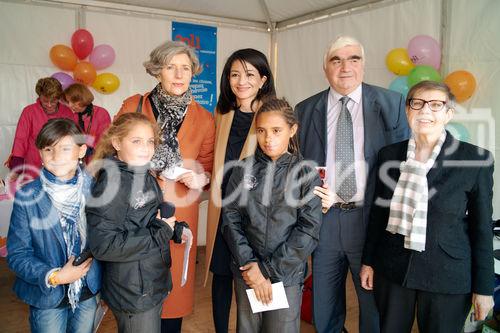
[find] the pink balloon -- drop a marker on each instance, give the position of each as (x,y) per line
(102,56)
(425,50)
(82,43)
(65,79)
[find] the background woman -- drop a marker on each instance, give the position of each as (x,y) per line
(25,156)
(188,133)
(429,242)
(93,120)
(246,80)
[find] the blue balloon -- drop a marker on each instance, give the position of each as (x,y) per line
(459,131)
(400,85)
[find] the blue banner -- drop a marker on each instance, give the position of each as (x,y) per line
(204,40)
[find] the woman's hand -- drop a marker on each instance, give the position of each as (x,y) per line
(193,180)
(326,197)
(482,305)
(70,273)
(366,276)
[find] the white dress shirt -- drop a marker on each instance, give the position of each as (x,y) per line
(355,107)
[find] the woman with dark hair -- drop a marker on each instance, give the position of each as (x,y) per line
(245,82)
(429,243)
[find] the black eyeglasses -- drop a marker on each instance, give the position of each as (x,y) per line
(418,104)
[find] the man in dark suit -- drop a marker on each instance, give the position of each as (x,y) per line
(342,128)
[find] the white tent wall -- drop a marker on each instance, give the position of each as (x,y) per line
(301,49)
(28,31)
(474,45)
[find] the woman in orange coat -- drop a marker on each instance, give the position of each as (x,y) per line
(188,134)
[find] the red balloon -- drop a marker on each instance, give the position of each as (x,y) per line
(82,43)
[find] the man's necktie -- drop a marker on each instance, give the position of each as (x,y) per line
(345,177)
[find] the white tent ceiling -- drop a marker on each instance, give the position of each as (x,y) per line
(265,14)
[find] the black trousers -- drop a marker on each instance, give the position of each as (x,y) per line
(222,294)
(436,313)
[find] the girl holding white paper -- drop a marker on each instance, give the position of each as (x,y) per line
(272,223)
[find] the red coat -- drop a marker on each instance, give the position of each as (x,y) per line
(29,125)
(196,144)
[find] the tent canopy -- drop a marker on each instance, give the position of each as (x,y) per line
(265,14)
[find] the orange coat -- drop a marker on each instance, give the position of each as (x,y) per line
(196,143)
(223,124)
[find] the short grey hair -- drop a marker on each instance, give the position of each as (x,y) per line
(339,43)
(164,53)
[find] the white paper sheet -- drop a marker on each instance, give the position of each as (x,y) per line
(176,172)
(279,299)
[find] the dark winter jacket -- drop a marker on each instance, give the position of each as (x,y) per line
(126,236)
(276,219)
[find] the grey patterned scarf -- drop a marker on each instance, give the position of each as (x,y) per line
(408,210)
(171,111)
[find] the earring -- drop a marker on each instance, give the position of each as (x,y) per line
(80,161)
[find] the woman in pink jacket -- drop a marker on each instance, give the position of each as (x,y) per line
(25,158)
(93,120)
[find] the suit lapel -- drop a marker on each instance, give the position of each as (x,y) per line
(189,121)
(371,117)
(320,119)
(223,124)
(438,168)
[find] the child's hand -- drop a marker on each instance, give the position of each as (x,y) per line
(170,221)
(70,273)
(326,196)
(251,274)
(264,292)
(194,181)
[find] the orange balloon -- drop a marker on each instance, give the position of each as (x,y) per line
(85,73)
(63,57)
(462,84)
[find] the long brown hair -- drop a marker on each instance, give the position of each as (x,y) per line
(119,129)
(281,106)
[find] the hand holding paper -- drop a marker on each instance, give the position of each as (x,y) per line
(279,300)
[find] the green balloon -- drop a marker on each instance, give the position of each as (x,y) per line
(423,73)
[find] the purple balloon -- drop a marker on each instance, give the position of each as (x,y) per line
(65,79)
(425,50)
(102,56)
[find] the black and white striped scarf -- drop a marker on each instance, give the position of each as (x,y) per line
(171,111)
(408,209)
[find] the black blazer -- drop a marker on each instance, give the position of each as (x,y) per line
(384,123)
(458,256)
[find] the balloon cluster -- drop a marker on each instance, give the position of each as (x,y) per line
(421,61)
(71,59)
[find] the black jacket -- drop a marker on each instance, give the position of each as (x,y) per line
(126,237)
(458,256)
(261,226)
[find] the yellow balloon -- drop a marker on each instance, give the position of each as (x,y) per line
(106,83)
(398,61)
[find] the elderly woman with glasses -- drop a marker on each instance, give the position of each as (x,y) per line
(25,158)
(429,241)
